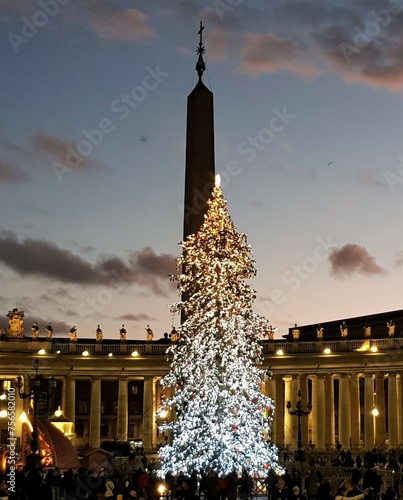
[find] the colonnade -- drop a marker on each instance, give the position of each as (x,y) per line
(359,410)
(342,413)
(148,424)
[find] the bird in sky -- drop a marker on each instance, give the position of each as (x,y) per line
(330,162)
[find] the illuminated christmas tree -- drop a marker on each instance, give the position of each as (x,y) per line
(223,420)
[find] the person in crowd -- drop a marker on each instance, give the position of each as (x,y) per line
(325,491)
(342,492)
(232,486)
(311,485)
(296,494)
(390,494)
(281,492)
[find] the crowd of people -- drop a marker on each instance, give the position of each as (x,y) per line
(359,478)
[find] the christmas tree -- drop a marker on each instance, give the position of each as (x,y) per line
(223,420)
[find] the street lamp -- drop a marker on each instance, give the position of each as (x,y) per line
(38,395)
(299,412)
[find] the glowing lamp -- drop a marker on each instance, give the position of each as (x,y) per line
(280,352)
(375,412)
(85,353)
(135,354)
(58,412)
(217,180)
(163,414)
(374,349)
(327,350)
(41,352)
(3,413)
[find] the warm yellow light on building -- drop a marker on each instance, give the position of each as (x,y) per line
(280,352)
(85,353)
(25,420)
(58,412)
(327,350)
(374,348)
(3,413)
(41,352)
(163,414)
(110,354)
(375,412)
(135,354)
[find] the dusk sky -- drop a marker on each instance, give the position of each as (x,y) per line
(309,141)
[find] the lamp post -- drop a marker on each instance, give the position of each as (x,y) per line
(37,394)
(299,412)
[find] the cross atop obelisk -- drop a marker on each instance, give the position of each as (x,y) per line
(201,49)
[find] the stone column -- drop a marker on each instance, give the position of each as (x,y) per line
(368,417)
(70,397)
(344,411)
(95,412)
(380,427)
(392,410)
(304,420)
(270,391)
(295,386)
(19,408)
(288,435)
(279,413)
(123,410)
(329,411)
(318,412)
(399,388)
(148,414)
(355,410)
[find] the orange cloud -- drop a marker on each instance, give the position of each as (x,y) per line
(218,44)
(10,174)
(128,24)
(269,53)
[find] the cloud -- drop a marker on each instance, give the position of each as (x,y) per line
(399,258)
(10,174)
(352,259)
(135,317)
(218,42)
(44,259)
(377,61)
(11,7)
(369,177)
(111,22)
(269,53)
(61,151)
(361,41)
